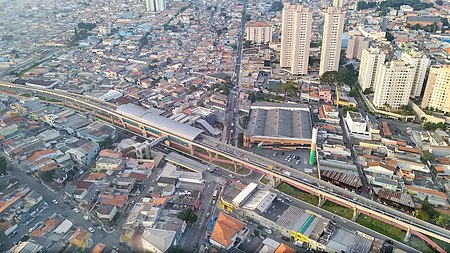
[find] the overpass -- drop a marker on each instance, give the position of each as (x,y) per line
(303,181)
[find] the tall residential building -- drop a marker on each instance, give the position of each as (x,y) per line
(295,38)
(338,3)
(393,84)
(437,90)
(155,5)
(420,63)
(332,40)
(259,32)
(371,58)
(356,44)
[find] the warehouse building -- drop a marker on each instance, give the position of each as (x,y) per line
(278,125)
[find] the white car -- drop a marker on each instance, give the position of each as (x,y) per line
(55,201)
(269,231)
(86,217)
(76,210)
(91,230)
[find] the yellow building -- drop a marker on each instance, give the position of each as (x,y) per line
(80,238)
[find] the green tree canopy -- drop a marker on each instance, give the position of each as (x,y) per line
(188,215)
(329,77)
(426,155)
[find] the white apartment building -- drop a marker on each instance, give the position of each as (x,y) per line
(371,58)
(437,90)
(420,62)
(393,84)
(332,40)
(295,38)
(259,32)
(155,5)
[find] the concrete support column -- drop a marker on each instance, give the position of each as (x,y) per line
(143,132)
(191,149)
(209,156)
(275,182)
(408,235)
(322,200)
(121,121)
(355,214)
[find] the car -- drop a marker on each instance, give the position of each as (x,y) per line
(268,231)
(207,215)
(289,200)
(231,176)
(297,162)
(86,217)
(260,227)
(284,238)
(275,154)
(99,227)
(91,230)
(76,210)
(116,248)
(55,201)
(13,234)
(31,229)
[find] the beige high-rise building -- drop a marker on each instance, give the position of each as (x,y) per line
(338,3)
(356,44)
(420,63)
(332,40)
(437,90)
(295,38)
(371,58)
(393,84)
(259,32)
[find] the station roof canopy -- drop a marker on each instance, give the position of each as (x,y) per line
(154,120)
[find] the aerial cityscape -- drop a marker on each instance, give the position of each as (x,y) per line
(224,126)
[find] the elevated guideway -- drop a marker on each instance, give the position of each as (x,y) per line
(303,181)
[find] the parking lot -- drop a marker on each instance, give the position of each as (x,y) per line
(296,159)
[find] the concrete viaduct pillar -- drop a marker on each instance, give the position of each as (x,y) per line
(408,235)
(322,200)
(355,213)
(191,149)
(209,156)
(275,182)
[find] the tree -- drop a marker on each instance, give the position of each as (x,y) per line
(368,91)
(47,176)
(362,5)
(200,103)
(443,220)
(188,215)
(329,77)
(426,155)
(288,88)
(406,110)
(276,6)
(3,165)
(439,2)
(353,92)
(427,212)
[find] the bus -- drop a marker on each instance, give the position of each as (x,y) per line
(214,197)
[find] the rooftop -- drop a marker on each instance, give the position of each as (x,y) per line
(153,120)
(280,123)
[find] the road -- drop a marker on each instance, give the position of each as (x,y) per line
(47,196)
(232,112)
(361,173)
